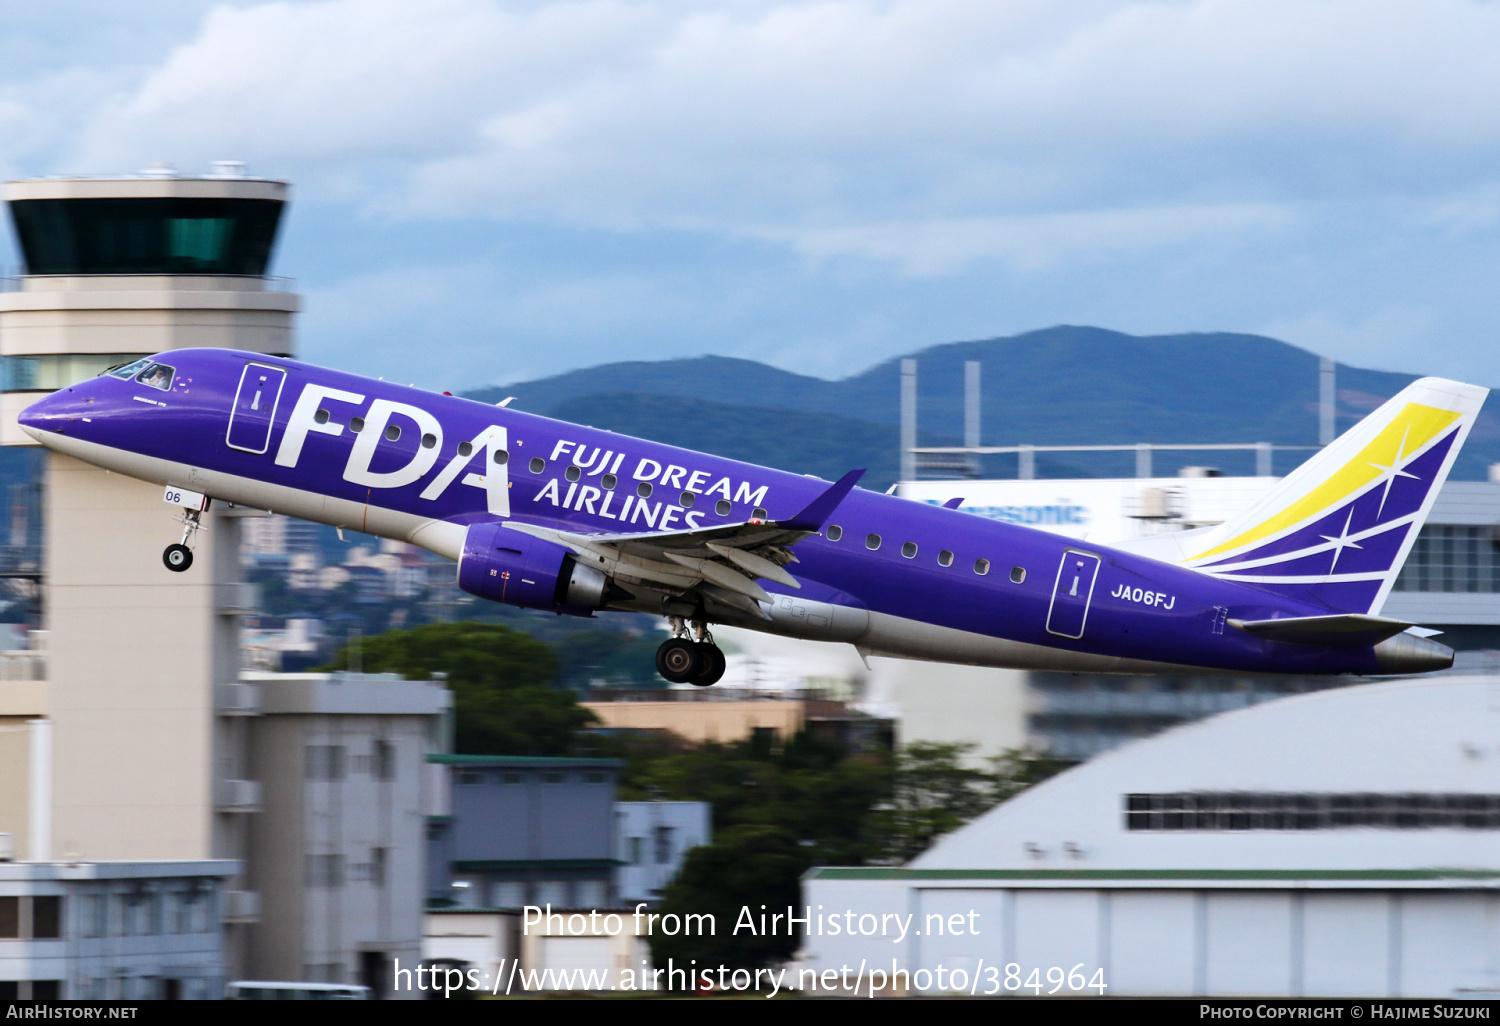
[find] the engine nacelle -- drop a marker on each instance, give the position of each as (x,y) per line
(518,569)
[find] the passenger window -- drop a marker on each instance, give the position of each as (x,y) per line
(981,567)
(393,432)
(356,424)
(686,500)
(835,532)
(609,482)
(945,558)
(572,473)
(643,489)
(156,375)
(538,464)
(502,457)
(321,417)
(722,507)
(429,440)
(909,549)
(1018,574)
(872,542)
(759,514)
(465,448)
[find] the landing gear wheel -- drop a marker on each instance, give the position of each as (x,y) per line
(679,660)
(713,665)
(177,558)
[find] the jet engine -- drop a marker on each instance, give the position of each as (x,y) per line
(516,568)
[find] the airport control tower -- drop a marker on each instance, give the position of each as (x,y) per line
(148,751)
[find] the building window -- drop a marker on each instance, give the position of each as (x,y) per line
(592,893)
(554,777)
(1290,811)
(470,777)
(663,837)
(1453,558)
(46,917)
(635,850)
(385,760)
(153,911)
(10,917)
(182,911)
(325,762)
(323,870)
(96,915)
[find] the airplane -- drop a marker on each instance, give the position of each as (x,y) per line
(544,514)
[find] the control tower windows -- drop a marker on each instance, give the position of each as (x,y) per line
(49,372)
(146,236)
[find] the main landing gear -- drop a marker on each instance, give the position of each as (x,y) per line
(690,657)
(179,557)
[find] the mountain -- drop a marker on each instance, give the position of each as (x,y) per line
(1058,386)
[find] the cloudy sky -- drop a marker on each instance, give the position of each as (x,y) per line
(489,190)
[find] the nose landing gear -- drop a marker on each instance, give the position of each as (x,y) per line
(690,658)
(179,557)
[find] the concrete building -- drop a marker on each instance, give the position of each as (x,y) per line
(337,845)
(651,841)
(142,758)
(112,930)
(1341,843)
(519,830)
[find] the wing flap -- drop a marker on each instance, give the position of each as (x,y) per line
(720,562)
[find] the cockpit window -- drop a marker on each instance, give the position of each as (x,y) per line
(126,371)
(157,375)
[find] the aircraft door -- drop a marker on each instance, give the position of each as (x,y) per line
(1072,593)
(255,408)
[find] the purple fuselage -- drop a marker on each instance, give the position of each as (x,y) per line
(891,556)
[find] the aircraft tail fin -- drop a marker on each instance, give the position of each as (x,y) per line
(1337,530)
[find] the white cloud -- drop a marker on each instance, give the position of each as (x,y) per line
(964,128)
(1031,242)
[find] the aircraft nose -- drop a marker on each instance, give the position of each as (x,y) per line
(50,413)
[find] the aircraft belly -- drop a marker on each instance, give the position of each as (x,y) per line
(913,639)
(436,536)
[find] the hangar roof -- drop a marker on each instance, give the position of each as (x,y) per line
(1402,775)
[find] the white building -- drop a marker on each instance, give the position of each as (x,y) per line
(1345,842)
(651,841)
(112,930)
(338,842)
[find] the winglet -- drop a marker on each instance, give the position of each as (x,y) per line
(954,503)
(821,508)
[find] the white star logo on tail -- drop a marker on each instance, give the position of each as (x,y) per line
(1342,542)
(1390,474)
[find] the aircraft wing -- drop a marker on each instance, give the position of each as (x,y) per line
(721,563)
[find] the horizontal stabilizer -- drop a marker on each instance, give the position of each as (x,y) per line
(1351,630)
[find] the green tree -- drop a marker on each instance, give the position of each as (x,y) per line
(747,866)
(937,790)
(502,681)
